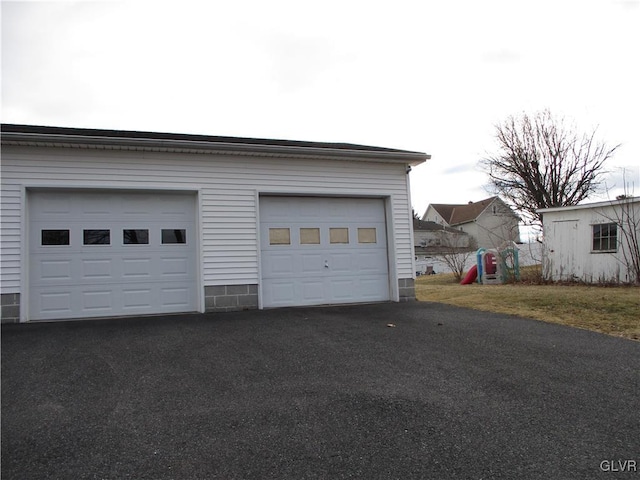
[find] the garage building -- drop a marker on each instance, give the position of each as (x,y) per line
(103,223)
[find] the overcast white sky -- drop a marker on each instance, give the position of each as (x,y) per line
(430,76)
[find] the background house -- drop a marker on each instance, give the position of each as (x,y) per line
(113,223)
(491,222)
(589,243)
(431,240)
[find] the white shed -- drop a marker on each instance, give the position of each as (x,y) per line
(102,223)
(592,243)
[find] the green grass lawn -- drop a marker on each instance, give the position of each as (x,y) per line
(610,310)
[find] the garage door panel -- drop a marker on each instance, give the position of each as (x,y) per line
(343,290)
(136,268)
(97,302)
(53,270)
(341,262)
(134,273)
(280,264)
(373,287)
(312,290)
(179,207)
(174,266)
(312,264)
(308,211)
(175,297)
(137,298)
(371,262)
(277,210)
(95,212)
(51,206)
(280,292)
(99,268)
(54,302)
(43,271)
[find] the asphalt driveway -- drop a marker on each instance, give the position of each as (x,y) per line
(319,393)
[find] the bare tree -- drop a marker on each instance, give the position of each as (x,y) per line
(626,216)
(542,163)
(455,251)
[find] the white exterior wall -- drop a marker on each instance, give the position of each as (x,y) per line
(568,245)
(493,229)
(228,187)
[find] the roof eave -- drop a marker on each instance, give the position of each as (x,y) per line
(213,147)
(584,206)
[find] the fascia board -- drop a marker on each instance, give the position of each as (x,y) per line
(194,146)
(607,203)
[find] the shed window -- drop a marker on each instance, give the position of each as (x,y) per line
(605,237)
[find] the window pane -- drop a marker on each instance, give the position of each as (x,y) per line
(55,237)
(597,231)
(279,236)
(339,235)
(174,236)
(97,237)
(596,244)
(309,236)
(366,235)
(135,237)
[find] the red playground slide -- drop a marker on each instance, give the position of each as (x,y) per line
(471,276)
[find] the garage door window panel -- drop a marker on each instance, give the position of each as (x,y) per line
(338,235)
(135,237)
(54,237)
(96,237)
(279,236)
(309,236)
(174,236)
(367,235)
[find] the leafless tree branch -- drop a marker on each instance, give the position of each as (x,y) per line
(542,162)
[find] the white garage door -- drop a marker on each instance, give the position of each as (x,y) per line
(318,251)
(95,254)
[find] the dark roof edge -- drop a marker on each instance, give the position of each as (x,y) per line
(123,138)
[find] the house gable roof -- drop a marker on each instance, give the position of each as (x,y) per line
(456,214)
(34,135)
(469,212)
(444,210)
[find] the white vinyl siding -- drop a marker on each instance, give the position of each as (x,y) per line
(10,240)
(228,186)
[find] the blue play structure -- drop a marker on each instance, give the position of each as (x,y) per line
(496,266)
